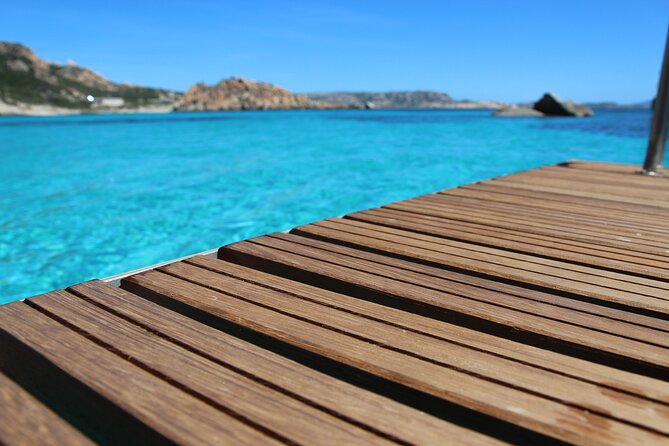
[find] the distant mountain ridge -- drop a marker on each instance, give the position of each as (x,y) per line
(28,81)
(399,99)
(394,99)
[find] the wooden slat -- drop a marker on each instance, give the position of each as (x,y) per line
(484,226)
(547,247)
(286,417)
(565,215)
(603,166)
(627,178)
(568,220)
(635,245)
(455,355)
(586,281)
(635,185)
(463,283)
(526,409)
(168,413)
(600,193)
(487,307)
(366,408)
(25,420)
(646,286)
(579,369)
(538,201)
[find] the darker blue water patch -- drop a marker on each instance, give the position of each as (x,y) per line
(138,119)
(631,123)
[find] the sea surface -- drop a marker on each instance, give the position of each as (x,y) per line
(87,197)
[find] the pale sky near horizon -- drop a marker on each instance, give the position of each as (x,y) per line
(475,49)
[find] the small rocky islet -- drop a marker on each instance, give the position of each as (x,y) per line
(237,93)
(550,104)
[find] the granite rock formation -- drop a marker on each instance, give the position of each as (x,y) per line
(237,93)
(551,105)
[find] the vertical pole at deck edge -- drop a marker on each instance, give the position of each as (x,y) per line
(658,131)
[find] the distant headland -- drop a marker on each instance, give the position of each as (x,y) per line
(30,85)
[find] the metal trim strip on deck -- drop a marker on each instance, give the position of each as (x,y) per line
(532,308)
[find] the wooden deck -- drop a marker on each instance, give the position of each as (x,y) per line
(532,308)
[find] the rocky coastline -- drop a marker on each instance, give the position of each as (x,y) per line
(30,85)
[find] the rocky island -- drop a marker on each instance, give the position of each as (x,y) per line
(549,105)
(237,93)
(31,85)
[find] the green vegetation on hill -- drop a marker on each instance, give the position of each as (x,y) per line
(27,79)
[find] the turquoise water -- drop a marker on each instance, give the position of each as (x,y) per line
(92,196)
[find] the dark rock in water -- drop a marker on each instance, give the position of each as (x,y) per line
(519,112)
(551,105)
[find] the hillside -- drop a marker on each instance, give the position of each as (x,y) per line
(27,82)
(236,93)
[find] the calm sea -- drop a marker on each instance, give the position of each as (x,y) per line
(91,196)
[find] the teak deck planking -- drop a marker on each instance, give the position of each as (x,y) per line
(528,309)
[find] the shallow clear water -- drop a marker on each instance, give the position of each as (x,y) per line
(92,196)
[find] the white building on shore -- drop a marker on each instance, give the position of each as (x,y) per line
(110,102)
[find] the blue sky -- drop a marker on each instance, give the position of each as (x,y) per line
(475,49)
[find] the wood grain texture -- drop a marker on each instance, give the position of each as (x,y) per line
(563,364)
(219,386)
(433,296)
(632,245)
(465,284)
(526,409)
(633,238)
(378,413)
(558,249)
(587,281)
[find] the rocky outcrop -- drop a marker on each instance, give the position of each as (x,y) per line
(30,85)
(515,111)
(551,105)
(237,93)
